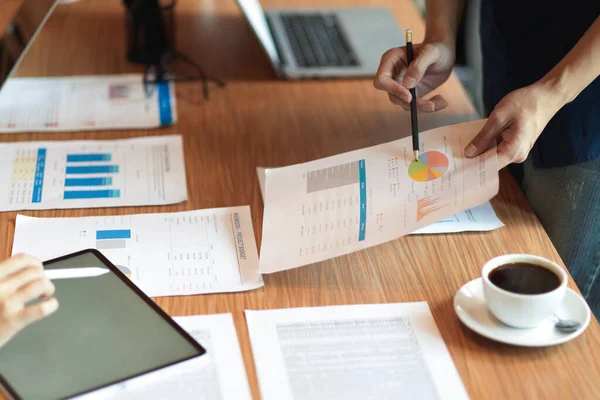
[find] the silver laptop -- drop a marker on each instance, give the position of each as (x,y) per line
(20,33)
(323,43)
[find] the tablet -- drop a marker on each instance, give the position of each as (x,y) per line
(105,331)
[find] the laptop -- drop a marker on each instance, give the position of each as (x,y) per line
(20,33)
(323,42)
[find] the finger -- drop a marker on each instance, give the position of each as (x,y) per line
(17,263)
(509,152)
(439,102)
(36,312)
(504,154)
(22,277)
(428,55)
(34,290)
(436,103)
(392,64)
(492,129)
(399,102)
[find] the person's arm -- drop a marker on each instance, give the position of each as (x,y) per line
(434,59)
(521,116)
(22,280)
(578,68)
(442,19)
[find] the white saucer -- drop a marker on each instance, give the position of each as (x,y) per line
(471,309)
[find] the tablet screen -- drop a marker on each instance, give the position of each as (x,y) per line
(103,332)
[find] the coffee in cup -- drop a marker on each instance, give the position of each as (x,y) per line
(523,290)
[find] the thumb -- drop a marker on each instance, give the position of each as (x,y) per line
(492,129)
(428,55)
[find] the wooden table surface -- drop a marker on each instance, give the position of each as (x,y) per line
(258,120)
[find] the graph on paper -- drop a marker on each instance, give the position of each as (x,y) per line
(164,254)
(429,166)
(78,103)
(92,174)
(427,206)
(330,207)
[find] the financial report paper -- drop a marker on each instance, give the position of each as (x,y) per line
(80,103)
(376,351)
(477,219)
(101,173)
(337,205)
(170,254)
(218,375)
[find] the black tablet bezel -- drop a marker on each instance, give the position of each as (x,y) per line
(201,351)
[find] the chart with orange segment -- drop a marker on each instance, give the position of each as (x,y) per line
(329,207)
(428,167)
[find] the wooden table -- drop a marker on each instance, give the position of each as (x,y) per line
(258,120)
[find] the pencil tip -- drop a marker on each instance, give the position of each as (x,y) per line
(408,35)
(416,154)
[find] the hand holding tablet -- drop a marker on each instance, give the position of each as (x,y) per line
(22,281)
(106,331)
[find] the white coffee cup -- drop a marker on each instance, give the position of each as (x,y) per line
(522,310)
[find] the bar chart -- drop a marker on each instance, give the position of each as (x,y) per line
(90,176)
(77,174)
(112,239)
(427,206)
(164,254)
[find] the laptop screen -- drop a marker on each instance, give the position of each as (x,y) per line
(20,32)
(258,22)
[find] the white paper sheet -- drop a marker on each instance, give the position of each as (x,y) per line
(192,252)
(79,103)
(219,375)
(101,173)
(375,351)
(477,219)
(340,204)
(482,218)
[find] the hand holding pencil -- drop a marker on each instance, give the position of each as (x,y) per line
(431,66)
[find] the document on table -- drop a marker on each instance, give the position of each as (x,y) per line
(337,205)
(218,375)
(377,351)
(171,254)
(101,173)
(78,103)
(477,219)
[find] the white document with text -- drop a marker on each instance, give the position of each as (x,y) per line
(353,352)
(170,254)
(92,173)
(341,204)
(82,103)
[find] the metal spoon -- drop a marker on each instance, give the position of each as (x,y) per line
(566,325)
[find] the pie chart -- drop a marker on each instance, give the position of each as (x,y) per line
(428,167)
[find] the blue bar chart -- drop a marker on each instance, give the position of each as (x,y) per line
(73,182)
(83,174)
(88,157)
(112,239)
(83,180)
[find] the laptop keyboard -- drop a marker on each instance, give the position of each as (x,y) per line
(317,41)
